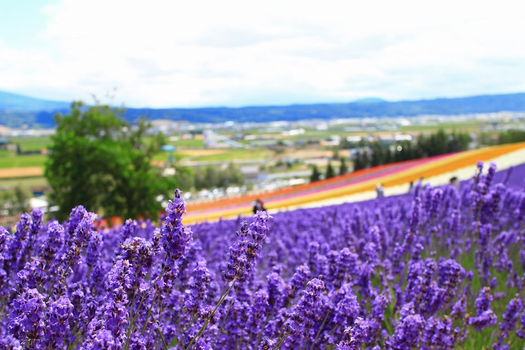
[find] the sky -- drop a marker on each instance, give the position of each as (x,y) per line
(171,53)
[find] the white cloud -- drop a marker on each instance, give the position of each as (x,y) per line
(171,53)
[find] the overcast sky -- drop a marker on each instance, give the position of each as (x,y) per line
(169,53)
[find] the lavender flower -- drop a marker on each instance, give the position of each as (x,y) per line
(195,297)
(27,319)
(57,322)
(438,334)
(348,309)
(276,290)
(175,237)
(357,335)
(490,175)
(299,279)
(408,330)
(485,316)
(307,310)
(129,229)
(390,276)
(510,317)
(10,343)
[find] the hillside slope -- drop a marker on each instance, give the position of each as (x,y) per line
(19,103)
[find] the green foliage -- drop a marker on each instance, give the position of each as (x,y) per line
(375,153)
(343,169)
(22,161)
(32,143)
(316,175)
(99,160)
(212,177)
(358,161)
(185,178)
(16,119)
(14,202)
(280,150)
(330,172)
(361,160)
(511,136)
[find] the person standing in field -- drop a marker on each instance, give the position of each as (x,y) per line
(411,187)
(418,186)
(454,182)
(258,205)
(380,191)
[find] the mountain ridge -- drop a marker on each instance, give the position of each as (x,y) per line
(39,113)
(16,102)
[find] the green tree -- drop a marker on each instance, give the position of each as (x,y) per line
(101,161)
(511,136)
(20,200)
(377,154)
(422,147)
(212,177)
(358,162)
(230,176)
(343,169)
(330,172)
(185,178)
(316,175)
(365,158)
(14,202)
(388,156)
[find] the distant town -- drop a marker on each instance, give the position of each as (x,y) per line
(269,155)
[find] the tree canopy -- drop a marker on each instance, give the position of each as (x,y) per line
(101,161)
(316,175)
(374,153)
(211,177)
(343,169)
(330,172)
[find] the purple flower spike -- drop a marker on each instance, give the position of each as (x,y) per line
(27,318)
(485,316)
(175,237)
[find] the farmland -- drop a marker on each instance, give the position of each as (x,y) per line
(270,152)
(22,161)
(193,150)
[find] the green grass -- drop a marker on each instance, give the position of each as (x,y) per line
(228,155)
(26,182)
(484,339)
(233,154)
(468,126)
(22,161)
(31,143)
(191,143)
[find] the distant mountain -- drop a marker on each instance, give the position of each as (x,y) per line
(20,103)
(370,100)
(442,106)
(16,110)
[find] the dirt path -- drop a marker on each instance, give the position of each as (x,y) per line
(21,172)
(315,153)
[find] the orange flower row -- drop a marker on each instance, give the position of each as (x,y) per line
(440,166)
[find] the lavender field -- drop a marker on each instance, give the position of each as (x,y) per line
(439,269)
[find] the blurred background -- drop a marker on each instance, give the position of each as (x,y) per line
(233,99)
